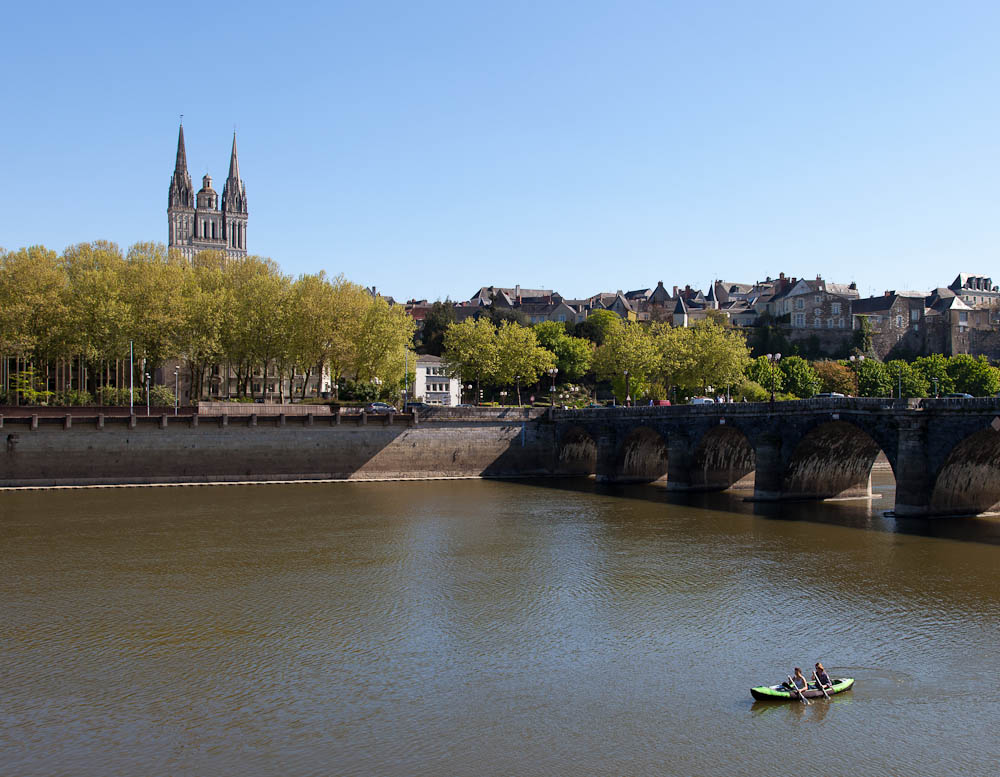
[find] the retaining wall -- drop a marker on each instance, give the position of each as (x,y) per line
(43,451)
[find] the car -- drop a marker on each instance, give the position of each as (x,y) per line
(464,405)
(702,401)
(829,394)
(958,395)
(410,406)
(379,407)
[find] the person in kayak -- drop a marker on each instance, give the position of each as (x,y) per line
(799,681)
(821,676)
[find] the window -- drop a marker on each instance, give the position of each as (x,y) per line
(829,323)
(914,315)
(800,303)
(819,298)
(835,308)
(963,317)
(800,319)
(817,322)
(841,323)
(899,322)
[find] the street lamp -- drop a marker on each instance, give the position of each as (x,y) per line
(628,395)
(176,395)
(773,359)
(468,388)
(553,371)
(935,387)
(147,393)
(503,397)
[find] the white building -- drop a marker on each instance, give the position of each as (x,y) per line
(432,383)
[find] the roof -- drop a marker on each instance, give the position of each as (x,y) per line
(427,358)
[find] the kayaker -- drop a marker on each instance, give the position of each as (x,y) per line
(799,680)
(821,676)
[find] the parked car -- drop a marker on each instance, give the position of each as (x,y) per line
(411,406)
(379,407)
(702,401)
(958,395)
(828,394)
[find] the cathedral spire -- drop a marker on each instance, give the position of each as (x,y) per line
(234,163)
(234,193)
(181,165)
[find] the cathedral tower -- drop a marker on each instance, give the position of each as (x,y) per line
(196,222)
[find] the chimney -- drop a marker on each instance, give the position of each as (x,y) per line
(819,277)
(517,292)
(675,291)
(888,293)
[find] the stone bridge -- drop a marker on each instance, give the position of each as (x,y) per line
(944,453)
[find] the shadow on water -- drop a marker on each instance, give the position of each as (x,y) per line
(868,514)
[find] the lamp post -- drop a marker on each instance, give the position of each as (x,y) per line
(176,395)
(935,387)
(553,371)
(468,388)
(503,397)
(378,386)
(773,359)
(628,395)
(147,393)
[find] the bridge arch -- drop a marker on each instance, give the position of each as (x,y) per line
(968,482)
(832,459)
(641,457)
(577,452)
(722,459)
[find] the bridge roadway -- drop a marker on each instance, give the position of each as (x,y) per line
(944,453)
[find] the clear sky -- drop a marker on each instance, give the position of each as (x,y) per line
(429,148)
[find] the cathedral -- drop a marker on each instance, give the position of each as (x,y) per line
(196,222)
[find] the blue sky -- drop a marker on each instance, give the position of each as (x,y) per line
(431,148)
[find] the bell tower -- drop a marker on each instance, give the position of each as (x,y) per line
(180,203)
(234,208)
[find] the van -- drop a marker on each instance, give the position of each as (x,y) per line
(702,401)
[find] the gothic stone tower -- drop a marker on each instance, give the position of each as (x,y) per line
(195,222)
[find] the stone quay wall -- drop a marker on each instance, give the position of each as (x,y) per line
(72,450)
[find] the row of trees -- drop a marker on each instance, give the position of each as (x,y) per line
(639,360)
(658,361)
(927,376)
(67,321)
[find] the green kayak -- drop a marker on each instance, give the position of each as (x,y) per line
(781,692)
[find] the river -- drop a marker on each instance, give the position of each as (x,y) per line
(488,628)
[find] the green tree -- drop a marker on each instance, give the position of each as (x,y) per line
(934,368)
(863,336)
(598,325)
(907,381)
(629,346)
(436,323)
(720,356)
(973,375)
(470,350)
(800,378)
(874,379)
(767,374)
(574,355)
(519,357)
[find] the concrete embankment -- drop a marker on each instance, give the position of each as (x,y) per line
(52,451)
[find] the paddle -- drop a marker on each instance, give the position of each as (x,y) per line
(802,698)
(820,684)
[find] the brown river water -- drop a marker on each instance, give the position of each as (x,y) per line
(489,628)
